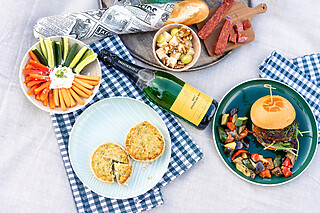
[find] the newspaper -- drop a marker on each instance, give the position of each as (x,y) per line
(117,19)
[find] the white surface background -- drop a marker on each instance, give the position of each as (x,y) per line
(32,175)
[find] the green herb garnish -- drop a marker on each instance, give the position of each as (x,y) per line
(61,74)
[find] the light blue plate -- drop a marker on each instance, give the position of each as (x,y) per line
(110,120)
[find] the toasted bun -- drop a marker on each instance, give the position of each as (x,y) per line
(188,12)
(276,114)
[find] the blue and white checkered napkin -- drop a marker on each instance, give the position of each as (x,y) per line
(185,152)
(302,74)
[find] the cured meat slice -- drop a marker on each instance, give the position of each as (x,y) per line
(242,38)
(233,38)
(213,22)
(223,37)
(238,28)
(246,24)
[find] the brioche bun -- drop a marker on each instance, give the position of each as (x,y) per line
(276,114)
(188,12)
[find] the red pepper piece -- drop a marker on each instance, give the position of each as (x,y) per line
(229,138)
(246,24)
(286,172)
(243,134)
(265,173)
(249,130)
(39,66)
(238,153)
(230,118)
(38,77)
(38,72)
(255,157)
(231,126)
(238,28)
(233,38)
(287,163)
(242,38)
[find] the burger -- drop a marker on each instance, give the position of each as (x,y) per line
(273,123)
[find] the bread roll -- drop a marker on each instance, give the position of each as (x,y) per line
(275,113)
(188,12)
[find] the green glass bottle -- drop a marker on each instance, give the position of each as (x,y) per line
(166,90)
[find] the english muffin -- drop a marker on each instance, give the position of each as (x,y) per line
(122,172)
(144,142)
(101,166)
(103,158)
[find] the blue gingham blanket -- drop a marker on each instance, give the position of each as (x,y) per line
(185,152)
(301,73)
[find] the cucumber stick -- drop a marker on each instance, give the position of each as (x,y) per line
(43,47)
(39,55)
(50,53)
(65,47)
(78,57)
(88,52)
(85,62)
(58,53)
(70,55)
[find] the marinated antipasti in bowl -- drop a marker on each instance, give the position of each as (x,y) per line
(60,74)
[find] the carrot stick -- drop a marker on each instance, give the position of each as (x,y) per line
(72,102)
(38,96)
(51,100)
(79,81)
(63,106)
(66,97)
(29,67)
(78,91)
(31,91)
(82,88)
(89,77)
(45,101)
(27,79)
(91,82)
(56,97)
(44,85)
(76,97)
(44,93)
(31,83)
(33,56)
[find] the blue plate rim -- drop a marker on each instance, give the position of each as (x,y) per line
(214,132)
(167,161)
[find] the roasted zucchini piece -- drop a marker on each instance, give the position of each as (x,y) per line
(242,168)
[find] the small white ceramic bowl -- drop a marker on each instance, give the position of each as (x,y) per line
(93,69)
(195,44)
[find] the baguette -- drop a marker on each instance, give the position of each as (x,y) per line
(188,12)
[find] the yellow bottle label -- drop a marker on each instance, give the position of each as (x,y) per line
(191,104)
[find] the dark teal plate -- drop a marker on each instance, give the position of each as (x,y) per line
(243,96)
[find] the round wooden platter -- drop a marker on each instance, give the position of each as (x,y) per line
(140,44)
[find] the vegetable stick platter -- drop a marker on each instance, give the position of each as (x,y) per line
(137,43)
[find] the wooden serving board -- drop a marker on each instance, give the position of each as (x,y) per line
(140,44)
(237,14)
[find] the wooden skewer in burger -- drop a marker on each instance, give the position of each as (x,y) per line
(274,124)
